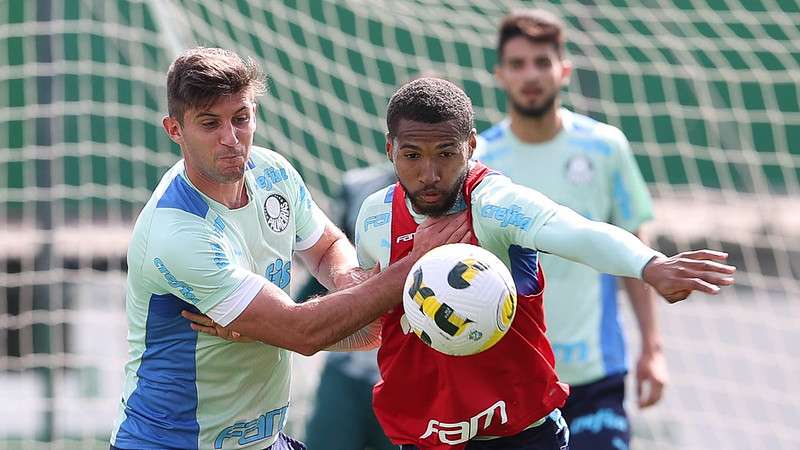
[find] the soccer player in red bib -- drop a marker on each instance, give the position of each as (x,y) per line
(508,396)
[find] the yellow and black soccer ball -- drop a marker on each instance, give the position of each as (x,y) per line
(459,299)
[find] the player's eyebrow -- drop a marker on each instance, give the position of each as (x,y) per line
(203,114)
(410,146)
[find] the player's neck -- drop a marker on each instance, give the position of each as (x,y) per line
(231,195)
(536,130)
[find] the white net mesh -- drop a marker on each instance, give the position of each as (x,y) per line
(706,92)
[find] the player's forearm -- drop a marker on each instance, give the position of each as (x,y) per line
(604,247)
(319,323)
(330,319)
(331,257)
(644,308)
(335,263)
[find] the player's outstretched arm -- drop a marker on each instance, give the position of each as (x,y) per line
(675,277)
(612,250)
(273,318)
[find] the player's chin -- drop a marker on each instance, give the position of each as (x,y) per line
(231,174)
(430,209)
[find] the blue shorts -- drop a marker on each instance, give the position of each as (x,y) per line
(596,416)
(553,434)
(283,442)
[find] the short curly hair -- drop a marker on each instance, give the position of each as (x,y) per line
(430,100)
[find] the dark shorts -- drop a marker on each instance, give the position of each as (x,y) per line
(596,416)
(283,442)
(551,435)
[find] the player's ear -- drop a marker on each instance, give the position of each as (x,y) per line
(499,74)
(173,129)
(472,143)
(566,71)
(389,147)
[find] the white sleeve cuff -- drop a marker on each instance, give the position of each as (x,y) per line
(229,309)
(312,239)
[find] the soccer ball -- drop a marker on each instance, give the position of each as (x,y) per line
(459,299)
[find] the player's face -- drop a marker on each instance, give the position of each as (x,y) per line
(216,141)
(532,75)
(431,162)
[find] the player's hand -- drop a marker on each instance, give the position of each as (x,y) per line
(204,324)
(651,377)
(677,276)
(435,232)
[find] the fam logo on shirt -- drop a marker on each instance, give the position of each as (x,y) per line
(276,210)
(579,169)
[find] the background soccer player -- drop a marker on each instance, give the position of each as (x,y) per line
(219,219)
(587,166)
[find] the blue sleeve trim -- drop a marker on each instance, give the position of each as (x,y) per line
(524,269)
(612,341)
(179,195)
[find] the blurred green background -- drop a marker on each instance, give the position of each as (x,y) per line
(706,91)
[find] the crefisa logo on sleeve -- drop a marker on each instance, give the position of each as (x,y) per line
(276,211)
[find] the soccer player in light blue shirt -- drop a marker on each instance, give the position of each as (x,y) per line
(587,166)
(217,238)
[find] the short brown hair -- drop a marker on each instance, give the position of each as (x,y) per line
(200,76)
(537,25)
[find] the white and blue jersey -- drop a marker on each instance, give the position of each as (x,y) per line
(188,390)
(589,168)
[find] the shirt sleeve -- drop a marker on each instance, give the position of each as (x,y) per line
(189,260)
(632,205)
(604,247)
(508,214)
(365,259)
(373,229)
(511,214)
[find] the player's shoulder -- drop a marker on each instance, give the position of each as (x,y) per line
(497,191)
(176,196)
(592,133)
(494,136)
(373,217)
(495,133)
(380,200)
(491,189)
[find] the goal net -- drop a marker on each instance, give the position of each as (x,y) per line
(707,93)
